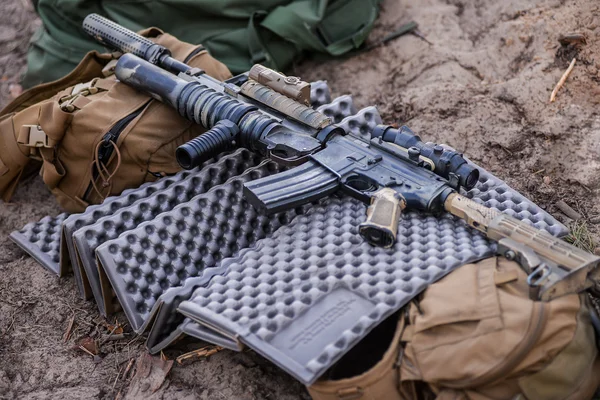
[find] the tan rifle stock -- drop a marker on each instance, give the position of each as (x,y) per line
(555,267)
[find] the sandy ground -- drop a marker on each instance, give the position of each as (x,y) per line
(482,86)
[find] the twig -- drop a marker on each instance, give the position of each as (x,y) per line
(67,334)
(203,352)
(129,365)
(567,210)
(510,153)
(12,322)
(112,338)
(562,80)
(133,340)
(540,171)
(116,379)
(109,335)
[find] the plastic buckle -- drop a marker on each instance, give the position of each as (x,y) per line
(85,89)
(350,393)
(109,69)
(36,137)
(66,103)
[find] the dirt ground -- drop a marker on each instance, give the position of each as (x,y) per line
(482,85)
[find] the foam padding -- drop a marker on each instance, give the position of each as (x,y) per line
(201,332)
(305,295)
(490,191)
(143,263)
(340,108)
(362,123)
(92,214)
(88,238)
(41,240)
(319,94)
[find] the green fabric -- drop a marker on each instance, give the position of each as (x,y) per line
(239,33)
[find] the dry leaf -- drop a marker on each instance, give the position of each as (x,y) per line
(150,375)
(115,329)
(88,345)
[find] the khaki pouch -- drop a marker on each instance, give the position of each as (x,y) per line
(95,136)
(477,335)
(378,382)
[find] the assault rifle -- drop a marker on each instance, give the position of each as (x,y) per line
(270,113)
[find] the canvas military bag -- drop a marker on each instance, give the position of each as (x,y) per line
(93,135)
(239,33)
(476,334)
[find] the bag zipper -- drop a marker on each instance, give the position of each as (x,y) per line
(193,53)
(112,135)
(534,331)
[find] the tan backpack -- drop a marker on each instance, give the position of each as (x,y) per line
(94,136)
(475,334)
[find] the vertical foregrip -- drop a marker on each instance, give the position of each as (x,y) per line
(210,144)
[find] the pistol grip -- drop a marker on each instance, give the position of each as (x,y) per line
(381,226)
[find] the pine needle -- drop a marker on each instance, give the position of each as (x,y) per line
(562,80)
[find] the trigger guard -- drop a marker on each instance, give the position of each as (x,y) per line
(290,162)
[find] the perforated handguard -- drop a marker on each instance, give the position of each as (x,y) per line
(115,36)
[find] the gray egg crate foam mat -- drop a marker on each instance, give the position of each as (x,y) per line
(299,287)
(305,295)
(141,264)
(88,238)
(41,240)
(70,258)
(489,191)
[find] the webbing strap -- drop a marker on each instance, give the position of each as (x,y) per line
(76,100)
